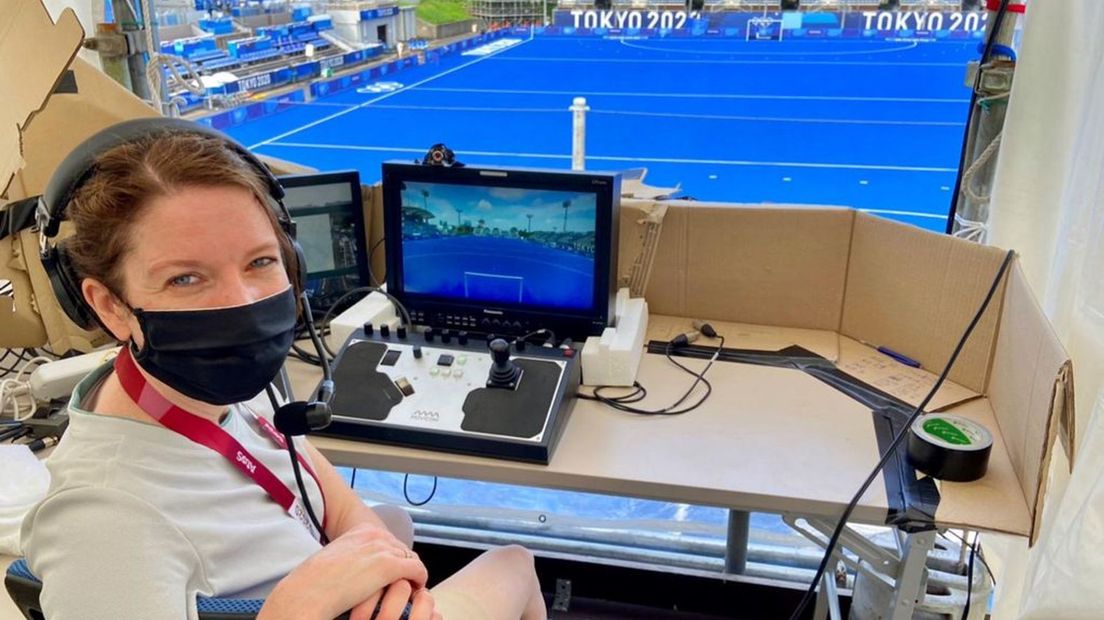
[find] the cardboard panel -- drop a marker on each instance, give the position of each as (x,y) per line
(905,382)
(772,265)
(995,502)
(1029,387)
(69,118)
(915,292)
(33,53)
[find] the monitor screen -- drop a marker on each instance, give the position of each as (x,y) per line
(505,249)
(499,245)
(329,223)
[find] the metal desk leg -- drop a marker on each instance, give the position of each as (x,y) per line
(736,546)
(912,578)
(827,601)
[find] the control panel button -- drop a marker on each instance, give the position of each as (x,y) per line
(401,332)
(429,334)
(446,372)
(445,360)
(391,357)
(417,352)
(458,372)
(385,330)
(369,329)
(462,337)
(433,372)
(404,386)
(446,336)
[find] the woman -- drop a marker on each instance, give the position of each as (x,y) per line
(176,246)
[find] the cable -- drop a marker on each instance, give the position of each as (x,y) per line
(406,493)
(371,275)
(623,402)
(11,389)
(989,571)
(15,432)
(401,310)
(326,388)
(325,540)
(305,356)
(298,473)
(891,450)
(969,580)
(551,340)
(989,42)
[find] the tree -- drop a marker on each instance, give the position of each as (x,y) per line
(530,216)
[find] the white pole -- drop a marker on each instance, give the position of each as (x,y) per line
(578,133)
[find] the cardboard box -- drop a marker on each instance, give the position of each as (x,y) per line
(808,275)
(830,279)
(51,101)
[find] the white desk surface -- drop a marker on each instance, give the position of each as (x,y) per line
(768,439)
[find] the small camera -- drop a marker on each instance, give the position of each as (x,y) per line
(441,155)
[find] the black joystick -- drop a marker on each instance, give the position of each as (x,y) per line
(504,373)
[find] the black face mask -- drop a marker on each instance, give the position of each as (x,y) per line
(219,356)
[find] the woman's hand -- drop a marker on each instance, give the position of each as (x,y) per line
(343,575)
(392,601)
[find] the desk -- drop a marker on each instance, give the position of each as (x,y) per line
(769,440)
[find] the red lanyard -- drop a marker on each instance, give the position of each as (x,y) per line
(207,433)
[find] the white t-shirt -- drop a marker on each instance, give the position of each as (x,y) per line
(140,520)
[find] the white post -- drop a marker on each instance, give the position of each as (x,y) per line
(578,133)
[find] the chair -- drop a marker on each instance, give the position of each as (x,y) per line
(25,588)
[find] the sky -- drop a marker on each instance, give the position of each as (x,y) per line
(503,207)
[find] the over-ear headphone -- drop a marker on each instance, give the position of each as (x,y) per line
(79,166)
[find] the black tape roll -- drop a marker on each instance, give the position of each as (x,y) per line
(949,447)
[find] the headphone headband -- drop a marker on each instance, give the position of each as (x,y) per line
(79,165)
(75,170)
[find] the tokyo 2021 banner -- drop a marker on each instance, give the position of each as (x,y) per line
(870,24)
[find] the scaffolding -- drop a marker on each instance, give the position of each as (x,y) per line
(508,11)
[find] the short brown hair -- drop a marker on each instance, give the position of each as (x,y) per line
(127,177)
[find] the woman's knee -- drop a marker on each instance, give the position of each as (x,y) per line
(398,522)
(518,557)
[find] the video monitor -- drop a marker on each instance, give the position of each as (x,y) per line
(329,225)
(502,250)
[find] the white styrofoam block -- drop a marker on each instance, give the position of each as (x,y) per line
(376,309)
(614,357)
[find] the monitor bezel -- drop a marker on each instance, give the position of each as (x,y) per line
(509,319)
(352,178)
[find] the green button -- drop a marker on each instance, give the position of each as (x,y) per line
(462,359)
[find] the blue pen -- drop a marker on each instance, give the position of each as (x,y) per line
(900,357)
(904,359)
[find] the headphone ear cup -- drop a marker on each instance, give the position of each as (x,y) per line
(66,285)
